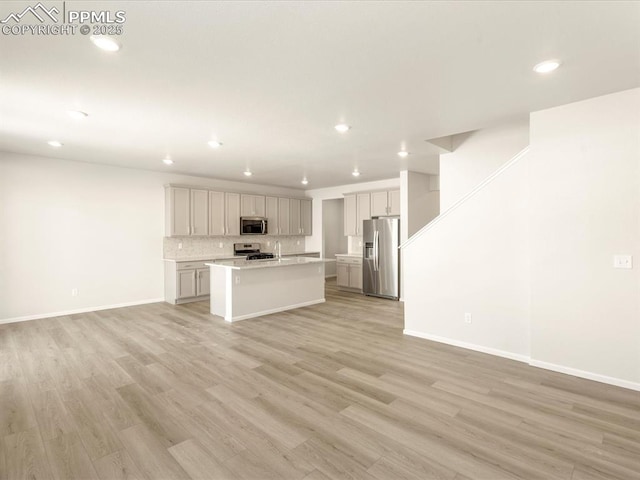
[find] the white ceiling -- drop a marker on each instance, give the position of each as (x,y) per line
(270,80)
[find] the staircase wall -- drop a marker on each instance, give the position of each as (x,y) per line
(585,315)
(530,253)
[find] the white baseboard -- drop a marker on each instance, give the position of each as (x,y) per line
(618,382)
(79,310)
(273,310)
(469,346)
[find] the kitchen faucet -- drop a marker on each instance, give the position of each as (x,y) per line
(278,249)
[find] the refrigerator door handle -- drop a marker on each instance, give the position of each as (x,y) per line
(376,250)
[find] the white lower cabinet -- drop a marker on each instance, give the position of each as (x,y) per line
(349,272)
(186,281)
(202,281)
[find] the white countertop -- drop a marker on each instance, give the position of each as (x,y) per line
(203,258)
(356,255)
(229,256)
(267,263)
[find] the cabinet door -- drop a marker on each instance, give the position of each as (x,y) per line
(259,206)
(305,217)
(363,201)
(271,212)
(216,213)
(355,276)
(252,206)
(232,218)
(350,215)
(186,283)
(342,278)
(379,204)
(202,281)
(199,212)
(178,200)
(247,203)
(284,222)
(294,215)
(394,202)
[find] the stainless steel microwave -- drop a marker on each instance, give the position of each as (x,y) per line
(253,226)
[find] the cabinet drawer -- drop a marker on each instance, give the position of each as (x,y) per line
(353,260)
(190,265)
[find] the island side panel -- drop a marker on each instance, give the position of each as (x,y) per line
(262,291)
(218,287)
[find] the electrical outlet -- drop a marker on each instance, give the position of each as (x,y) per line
(74,292)
(468,318)
(237,279)
(268,244)
(220,245)
(622,261)
(298,242)
(180,246)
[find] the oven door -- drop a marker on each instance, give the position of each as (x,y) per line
(253,226)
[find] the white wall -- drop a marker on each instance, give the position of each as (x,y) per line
(477,155)
(79,225)
(585,207)
(474,260)
(334,240)
(314,242)
(424,201)
(530,255)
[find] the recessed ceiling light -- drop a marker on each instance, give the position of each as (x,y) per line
(342,127)
(214,144)
(304,181)
(355,173)
(167,161)
(55,143)
(546,66)
(403,154)
(247,173)
(105,43)
(77,114)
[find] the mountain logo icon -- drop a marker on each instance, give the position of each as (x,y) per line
(38,11)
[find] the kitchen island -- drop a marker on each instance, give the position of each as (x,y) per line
(242,289)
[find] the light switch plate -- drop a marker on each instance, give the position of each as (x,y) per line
(622,261)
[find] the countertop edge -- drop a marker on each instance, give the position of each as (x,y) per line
(258,265)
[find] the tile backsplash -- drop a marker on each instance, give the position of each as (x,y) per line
(201,247)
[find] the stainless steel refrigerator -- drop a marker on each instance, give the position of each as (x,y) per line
(381,257)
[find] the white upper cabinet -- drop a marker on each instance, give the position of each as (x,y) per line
(253,206)
(363,201)
(284,222)
(359,207)
(216,214)
(394,202)
(271,212)
(378,204)
(232,213)
(385,203)
(350,215)
(305,217)
(199,212)
(195,211)
(177,211)
(294,215)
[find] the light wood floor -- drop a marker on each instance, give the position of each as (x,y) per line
(329,391)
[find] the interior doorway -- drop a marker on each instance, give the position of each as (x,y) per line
(333,239)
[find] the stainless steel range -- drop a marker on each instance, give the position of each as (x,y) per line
(251,250)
